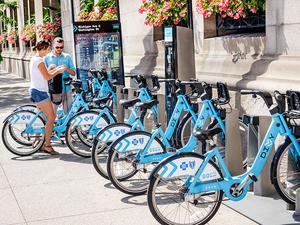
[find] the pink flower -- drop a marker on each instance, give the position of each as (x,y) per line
(253,9)
(176,21)
(236,16)
(142,10)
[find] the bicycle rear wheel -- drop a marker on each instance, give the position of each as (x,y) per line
(286,171)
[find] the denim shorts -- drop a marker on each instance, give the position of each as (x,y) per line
(38,96)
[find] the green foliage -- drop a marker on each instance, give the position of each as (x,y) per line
(5,4)
(106,3)
(86,5)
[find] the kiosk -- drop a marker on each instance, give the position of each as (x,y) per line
(179,56)
(98,45)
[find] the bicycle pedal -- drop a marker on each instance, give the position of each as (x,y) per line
(252,177)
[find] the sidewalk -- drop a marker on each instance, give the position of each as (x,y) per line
(66,190)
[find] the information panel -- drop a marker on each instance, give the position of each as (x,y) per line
(98,46)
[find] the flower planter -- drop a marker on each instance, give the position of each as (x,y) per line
(250,22)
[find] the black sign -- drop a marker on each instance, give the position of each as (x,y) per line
(96,27)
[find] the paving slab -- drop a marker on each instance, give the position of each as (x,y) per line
(3,180)
(43,201)
(9,209)
(42,168)
(265,210)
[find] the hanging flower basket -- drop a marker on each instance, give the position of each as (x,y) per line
(48,31)
(163,12)
(103,10)
(12,36)
(3,38)
(28,33)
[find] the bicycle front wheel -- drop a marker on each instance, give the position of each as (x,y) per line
(286,171)
(101,144)
(78,136)
(123,168)
(16,134)
(167,195)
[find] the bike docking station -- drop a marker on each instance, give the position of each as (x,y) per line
(263,203)
(98,45)
(179,57)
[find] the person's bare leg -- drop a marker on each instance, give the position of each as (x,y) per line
(47,108)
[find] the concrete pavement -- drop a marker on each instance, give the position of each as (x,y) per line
(65,189)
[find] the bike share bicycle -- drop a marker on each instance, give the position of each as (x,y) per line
(23,127)
(88,122)
(134,154)
(188,188)
(135,121)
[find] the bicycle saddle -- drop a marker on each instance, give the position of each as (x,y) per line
(99,101)
(147,105)
(129,103)
(203,135)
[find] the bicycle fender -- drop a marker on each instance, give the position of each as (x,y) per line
(22,116)
(113,132)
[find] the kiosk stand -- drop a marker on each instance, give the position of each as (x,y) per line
(179,59)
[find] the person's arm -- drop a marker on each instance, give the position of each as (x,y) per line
(70,66)
(48,75)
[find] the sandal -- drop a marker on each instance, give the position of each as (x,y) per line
(51,152)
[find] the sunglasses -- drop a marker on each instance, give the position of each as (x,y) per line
(59,47)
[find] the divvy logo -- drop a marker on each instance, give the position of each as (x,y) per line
(185,165)
(118,132)
(137,141)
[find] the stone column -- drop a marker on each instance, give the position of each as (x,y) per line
(67,25)
(21,23)
(282,27)
(38,10)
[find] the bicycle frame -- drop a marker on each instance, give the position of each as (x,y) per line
(133,119)
(277,127)
(105,88)
(76,105)
(207,111)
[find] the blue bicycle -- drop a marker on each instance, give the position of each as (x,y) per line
(135,121)
(89,123)
(23,131)
(135,154)
(188,188)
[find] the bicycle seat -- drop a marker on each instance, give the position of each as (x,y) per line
(148,105)
(203,135)
(129,103)
(77,83)
(99,101)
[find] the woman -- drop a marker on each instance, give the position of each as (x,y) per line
(39,89)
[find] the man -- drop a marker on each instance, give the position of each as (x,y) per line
(57,58)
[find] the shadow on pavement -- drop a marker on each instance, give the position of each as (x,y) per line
(61,156)
(132,200)
(109,185)
(11,97)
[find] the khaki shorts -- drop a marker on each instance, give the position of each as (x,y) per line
(65,99)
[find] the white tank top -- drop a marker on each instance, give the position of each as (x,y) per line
(37,80)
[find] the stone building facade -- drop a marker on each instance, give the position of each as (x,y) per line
(266,61)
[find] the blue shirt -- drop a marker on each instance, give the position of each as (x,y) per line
(63,59)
